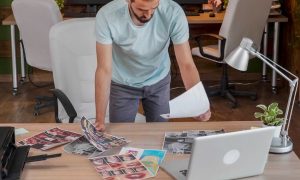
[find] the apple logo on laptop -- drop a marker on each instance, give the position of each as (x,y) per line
(231,157)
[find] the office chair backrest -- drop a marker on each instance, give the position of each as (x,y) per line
(244,18)
(73,53)
(34,19)
(74,61)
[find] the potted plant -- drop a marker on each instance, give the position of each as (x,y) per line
(269,116)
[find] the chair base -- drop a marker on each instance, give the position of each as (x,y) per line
(230,95)
(226,90)
(43,102)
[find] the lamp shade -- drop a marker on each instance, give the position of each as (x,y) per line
(240,56)
(238,59)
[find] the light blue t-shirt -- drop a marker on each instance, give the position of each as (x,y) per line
(140,53)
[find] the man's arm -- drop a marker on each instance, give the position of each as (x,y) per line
(188,70)
(102,82)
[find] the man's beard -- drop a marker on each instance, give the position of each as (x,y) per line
(141,19)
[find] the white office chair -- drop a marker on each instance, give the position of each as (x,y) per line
(34,19)
(74,61)
(243,18)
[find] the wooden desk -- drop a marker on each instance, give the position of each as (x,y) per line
(142,135)
(203,18)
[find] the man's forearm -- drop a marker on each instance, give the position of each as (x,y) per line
(102,85)
(188,69)
(190,75)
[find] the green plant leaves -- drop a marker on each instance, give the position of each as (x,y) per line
(269,114)
(261,106)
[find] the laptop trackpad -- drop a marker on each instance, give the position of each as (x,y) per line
(176,168)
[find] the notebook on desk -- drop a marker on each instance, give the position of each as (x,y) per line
(224,156)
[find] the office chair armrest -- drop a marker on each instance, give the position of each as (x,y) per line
(66,103)
(218,37)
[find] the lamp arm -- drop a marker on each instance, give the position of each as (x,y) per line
(289,109)
(277,65)
(274,66)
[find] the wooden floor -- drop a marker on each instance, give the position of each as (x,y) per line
(20,108)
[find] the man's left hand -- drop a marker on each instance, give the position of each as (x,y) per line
(204,117)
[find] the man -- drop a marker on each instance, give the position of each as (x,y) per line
(133,62)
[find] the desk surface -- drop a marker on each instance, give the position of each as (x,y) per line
(142,135)
(203,18)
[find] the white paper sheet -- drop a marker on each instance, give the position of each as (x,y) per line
(20,131)
(191,103)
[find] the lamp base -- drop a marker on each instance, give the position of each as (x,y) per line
(279,147)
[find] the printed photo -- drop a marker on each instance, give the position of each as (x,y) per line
(151,158)
(181,142)
(100,140)
(81,146)
(50,138)
(63,134)
(121,167)
(127,157)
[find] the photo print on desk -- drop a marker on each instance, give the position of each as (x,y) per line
(82,146)
(121,167)
(181,142)
(50,138)
(102,141)
(151,158)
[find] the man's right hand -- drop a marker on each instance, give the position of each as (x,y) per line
(100,126)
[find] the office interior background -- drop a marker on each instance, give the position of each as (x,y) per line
(19,108)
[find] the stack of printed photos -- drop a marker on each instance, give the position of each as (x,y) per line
(100,140)
(94,143)
(121,167)
(50,138)
(181,142)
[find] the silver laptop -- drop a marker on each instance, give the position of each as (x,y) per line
(224,156)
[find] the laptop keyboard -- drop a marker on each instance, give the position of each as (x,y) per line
(184,172)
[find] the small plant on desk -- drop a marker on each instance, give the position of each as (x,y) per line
(269,114)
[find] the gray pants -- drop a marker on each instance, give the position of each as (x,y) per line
(124,101)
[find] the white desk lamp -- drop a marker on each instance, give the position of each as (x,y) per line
(238,59)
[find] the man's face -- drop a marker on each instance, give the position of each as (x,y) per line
(143,10)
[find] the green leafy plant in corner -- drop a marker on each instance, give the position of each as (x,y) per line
(269,114)
(60,4)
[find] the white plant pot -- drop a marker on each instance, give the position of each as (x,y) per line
(277,130)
